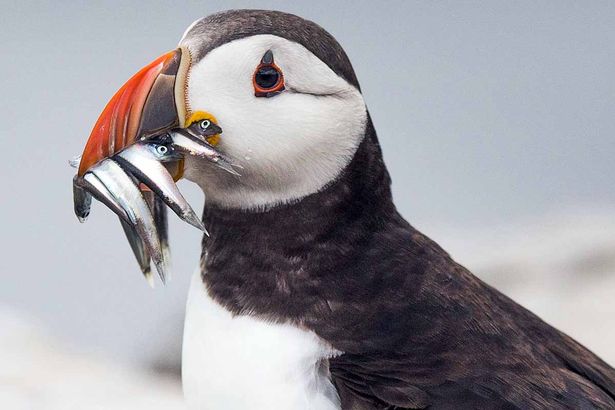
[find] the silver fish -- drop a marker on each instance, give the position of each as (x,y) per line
(94,186)
(128,196)
(144,161)
(82,200)
(138,248)
(136,184)
(159,212)
(189,144)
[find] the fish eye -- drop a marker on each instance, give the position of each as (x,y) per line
(161,149)
(205,124)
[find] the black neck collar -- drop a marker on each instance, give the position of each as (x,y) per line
(275,262)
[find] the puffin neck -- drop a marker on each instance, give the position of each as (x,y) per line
(264,248)
(360,193)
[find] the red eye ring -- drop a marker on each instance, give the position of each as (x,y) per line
(267,79)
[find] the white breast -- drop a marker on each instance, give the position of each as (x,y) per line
(242,362)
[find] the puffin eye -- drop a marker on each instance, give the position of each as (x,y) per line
(161,149)
(268,79)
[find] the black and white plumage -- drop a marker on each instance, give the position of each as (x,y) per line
(416,329)
(313,292)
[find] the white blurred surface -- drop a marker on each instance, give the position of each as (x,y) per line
(39,373)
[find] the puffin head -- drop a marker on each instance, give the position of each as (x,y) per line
(285,95)
(263,94)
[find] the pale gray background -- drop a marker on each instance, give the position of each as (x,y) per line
(486,111)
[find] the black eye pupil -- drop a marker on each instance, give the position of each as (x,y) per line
(267,77)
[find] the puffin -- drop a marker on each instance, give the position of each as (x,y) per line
(312,291)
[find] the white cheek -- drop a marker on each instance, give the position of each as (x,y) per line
(291,144)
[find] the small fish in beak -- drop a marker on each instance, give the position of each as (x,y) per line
(136,184)
(145,160)
(136,152)
(82,200)
(189,144)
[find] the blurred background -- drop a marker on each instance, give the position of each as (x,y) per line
(497,124)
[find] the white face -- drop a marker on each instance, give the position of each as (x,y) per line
(290,145)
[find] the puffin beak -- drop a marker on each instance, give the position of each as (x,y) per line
(135,154)
(151,102)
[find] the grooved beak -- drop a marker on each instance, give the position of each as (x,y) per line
(151,102)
